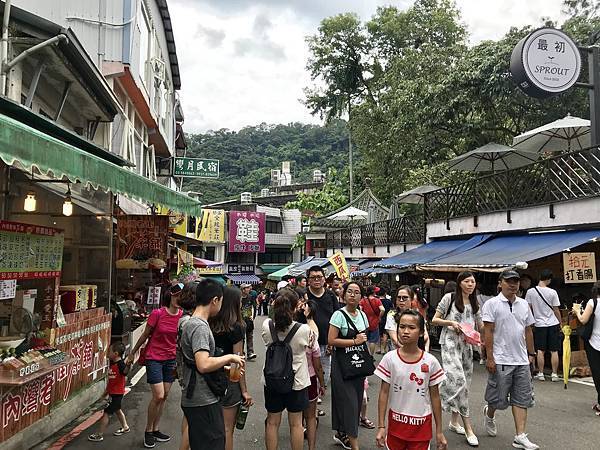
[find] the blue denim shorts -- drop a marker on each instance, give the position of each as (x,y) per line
(160,371)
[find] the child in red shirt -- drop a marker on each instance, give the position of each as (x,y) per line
(115,389)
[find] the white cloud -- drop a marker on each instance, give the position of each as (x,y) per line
(243,61)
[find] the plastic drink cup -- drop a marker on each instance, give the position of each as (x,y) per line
(234,372)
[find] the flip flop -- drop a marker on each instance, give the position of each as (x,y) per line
(366,423)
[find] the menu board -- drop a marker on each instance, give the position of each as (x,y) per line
(142,237)
(29,251)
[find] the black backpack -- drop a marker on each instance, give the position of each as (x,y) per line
(278,372)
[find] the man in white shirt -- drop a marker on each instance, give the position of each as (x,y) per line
(544,303)
(510,351)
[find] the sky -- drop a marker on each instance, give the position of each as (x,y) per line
(243,62)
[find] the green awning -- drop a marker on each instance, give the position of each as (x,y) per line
(278,275)
(25,147)
(270,268)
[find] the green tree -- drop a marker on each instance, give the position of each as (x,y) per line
(331,197)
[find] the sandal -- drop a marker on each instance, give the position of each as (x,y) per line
(596,408)
(121,431)
(364,422)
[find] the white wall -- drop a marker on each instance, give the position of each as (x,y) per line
(370,252)
(576,212)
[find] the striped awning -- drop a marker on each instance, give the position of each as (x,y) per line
(241,279)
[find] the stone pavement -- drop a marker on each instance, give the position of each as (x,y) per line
(561,419)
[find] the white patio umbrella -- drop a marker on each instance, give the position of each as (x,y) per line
(349,213)
(415,195)
(492,157)
(563,135)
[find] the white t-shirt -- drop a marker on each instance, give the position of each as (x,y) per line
(595,338)
(509,333)
(543,314)
(409,415)
(299,343)
(390,321)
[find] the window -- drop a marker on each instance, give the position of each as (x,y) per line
(241,258)
(274,227)
(275,256)
(145,30)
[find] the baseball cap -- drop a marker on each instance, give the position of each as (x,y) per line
(508,274)
(245,285)
(282,284)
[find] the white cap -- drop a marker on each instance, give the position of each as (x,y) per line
(282,284)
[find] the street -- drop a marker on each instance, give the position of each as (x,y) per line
(561,418)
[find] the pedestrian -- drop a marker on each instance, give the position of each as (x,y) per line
(248,315)
(115,389)
(385,345)
(592,345)
(204,380)
(336,287)
(347,328)
(404,299)
(301,281)
(509,348)
(160,338)
(315,371)
(525,285)
(373,308)
(282,331)
(544,303)
(228,329)
(454,309)
(327,304)
(415,376)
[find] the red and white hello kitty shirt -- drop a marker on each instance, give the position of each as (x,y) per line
(409,416)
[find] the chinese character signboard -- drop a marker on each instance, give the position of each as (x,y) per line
(142,241)
(338,261)
(29,251)
(545,63)
(211,226)
(579,267)
(240,269)
(196,168)
(246,232)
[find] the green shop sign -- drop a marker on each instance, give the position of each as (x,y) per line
(196,167)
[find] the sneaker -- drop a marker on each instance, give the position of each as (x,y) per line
(121,431)
(161,437)
(149,440)
(489,423)
(540,376)
(522,441)
(554,377)
(320,412)
(319,401)
(251,356)
(482,362)
(342,439)
(95,437)
(458,429)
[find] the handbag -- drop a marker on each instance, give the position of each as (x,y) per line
(355,361)
(588,328)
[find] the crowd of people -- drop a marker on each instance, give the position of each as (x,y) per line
(321,340)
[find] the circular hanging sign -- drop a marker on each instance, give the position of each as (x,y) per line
(545,63)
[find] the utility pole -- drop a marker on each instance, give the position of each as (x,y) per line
(350,156)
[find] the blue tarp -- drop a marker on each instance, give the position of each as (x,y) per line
(429,252)
(506,251)
(301,268)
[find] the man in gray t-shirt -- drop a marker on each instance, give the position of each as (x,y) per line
(195,337)
(206,428)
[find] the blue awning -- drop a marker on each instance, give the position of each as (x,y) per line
(501,252)
(431,251)
(241,279)
(301,268)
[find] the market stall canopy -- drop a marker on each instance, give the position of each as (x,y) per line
(492,157)
(200,262)
(241,279)
(505,252)
(27,148)
(301,268)
(429,252)
(563,135)
(279,274)
(415,196)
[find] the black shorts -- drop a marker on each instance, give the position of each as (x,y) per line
(295,401)
(114,404)
(206,428)
(547,339)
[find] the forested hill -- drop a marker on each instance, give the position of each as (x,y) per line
(247,156)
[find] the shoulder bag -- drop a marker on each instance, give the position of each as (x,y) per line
(543,298)
(588,328)
(354,361)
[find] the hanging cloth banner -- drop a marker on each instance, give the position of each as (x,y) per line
(211,226)
(338,261)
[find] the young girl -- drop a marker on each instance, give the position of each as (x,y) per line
(413,375)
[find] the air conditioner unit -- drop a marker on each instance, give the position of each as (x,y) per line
(264,192)
(158,70)
(246,198)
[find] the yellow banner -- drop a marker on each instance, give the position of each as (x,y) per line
(177,222)
(184,258)
(215,270)
(211,226)
(338,261)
